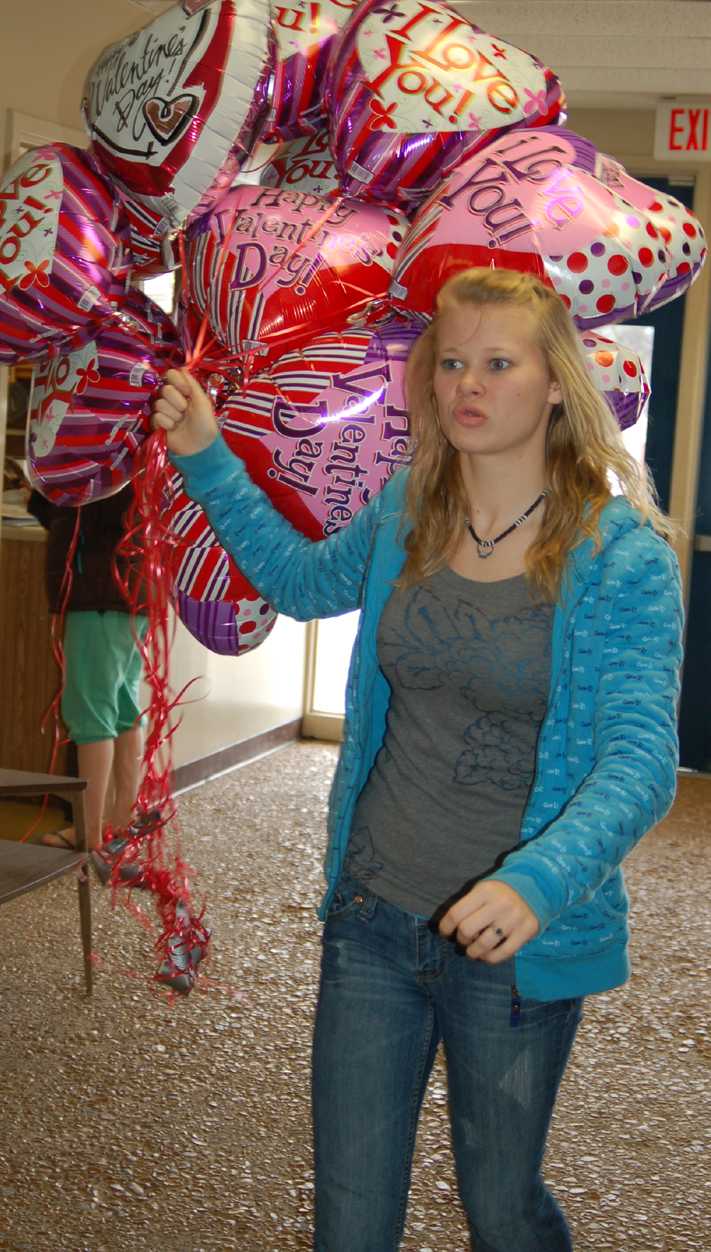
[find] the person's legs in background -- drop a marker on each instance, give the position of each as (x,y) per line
(128,749)
(100,710)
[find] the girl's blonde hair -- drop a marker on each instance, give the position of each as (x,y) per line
(583,447)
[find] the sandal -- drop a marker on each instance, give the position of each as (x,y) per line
(60,839)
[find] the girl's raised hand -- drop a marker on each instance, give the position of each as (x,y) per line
(184,411)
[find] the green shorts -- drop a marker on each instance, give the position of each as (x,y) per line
(102,674)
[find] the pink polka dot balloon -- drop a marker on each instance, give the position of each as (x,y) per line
(532,201)
(678,227)
(618,374)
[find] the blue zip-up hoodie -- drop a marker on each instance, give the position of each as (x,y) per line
(607,750)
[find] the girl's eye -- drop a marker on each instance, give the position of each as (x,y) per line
(450,363)
(499,363)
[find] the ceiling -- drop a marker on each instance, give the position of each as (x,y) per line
(609,53)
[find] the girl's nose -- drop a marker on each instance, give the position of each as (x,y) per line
(470,383)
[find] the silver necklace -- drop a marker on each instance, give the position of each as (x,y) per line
(485,547)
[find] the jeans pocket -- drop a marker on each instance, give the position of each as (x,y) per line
(349,899)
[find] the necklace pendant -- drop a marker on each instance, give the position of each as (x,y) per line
(484,547)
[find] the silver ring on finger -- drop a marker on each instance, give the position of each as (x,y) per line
(500,936)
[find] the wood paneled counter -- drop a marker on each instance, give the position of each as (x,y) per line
(29,678)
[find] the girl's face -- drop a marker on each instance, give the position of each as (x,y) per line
(493,390)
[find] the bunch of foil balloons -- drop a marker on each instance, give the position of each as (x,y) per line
(316,170)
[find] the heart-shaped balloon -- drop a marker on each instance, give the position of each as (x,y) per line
(304,33)
(62,251)
(680,229)
(531,201)
(413,89)
(304,165)
(212,599)
(270,265)
(89,409)
(327,426)
(618,374)
(174,109)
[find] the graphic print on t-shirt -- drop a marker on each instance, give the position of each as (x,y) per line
(468,665)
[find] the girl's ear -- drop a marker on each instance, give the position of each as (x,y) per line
(555,395)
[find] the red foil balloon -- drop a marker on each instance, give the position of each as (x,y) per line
(327,426)
(414,88)
(211,597)
(174,109)
(270,265)
(62,250)
(89,409)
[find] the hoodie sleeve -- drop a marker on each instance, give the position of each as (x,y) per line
(299,577)
(634,731)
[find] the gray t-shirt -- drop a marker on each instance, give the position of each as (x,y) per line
(469,667)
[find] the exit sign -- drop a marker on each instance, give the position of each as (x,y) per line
(683,130)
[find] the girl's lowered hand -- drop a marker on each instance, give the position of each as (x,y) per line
(492,921)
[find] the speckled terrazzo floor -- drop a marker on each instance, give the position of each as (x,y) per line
(128,1123)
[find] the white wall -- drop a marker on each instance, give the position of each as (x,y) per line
(236,697)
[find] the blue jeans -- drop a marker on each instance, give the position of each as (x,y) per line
(391,990)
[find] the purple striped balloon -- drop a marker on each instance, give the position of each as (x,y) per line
(305,34)
(212,597)
(63,255)
(413,89)
(90,409)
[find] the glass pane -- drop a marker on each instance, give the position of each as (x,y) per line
(334,641)
(162,290)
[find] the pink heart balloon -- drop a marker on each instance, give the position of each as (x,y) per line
(532,201)
(327,426)
(269,265)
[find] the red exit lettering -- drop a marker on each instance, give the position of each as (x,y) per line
(688,130)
